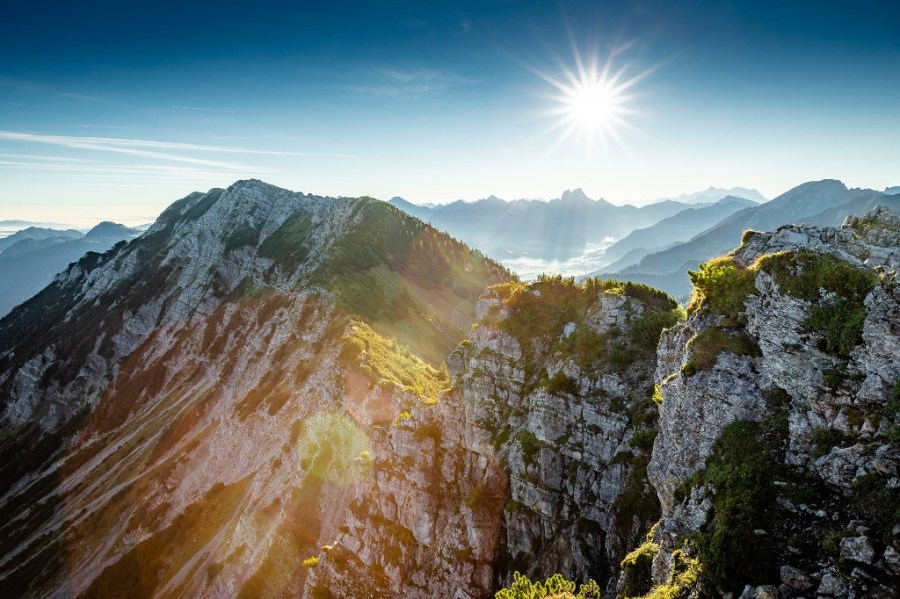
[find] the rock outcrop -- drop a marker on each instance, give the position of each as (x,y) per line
(777,457)
(534,460)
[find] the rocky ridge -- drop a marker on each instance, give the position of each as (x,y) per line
(181,414)
(242,422)
(533,461)
(777,458)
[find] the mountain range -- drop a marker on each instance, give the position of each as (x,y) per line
(679,227)
(552,231)
(273,394)
(31,257)
(823,203)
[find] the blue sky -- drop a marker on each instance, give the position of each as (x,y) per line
(115,109)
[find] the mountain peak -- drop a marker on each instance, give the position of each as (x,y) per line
(574,196)
(110,229)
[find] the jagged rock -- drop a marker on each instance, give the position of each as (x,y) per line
(232,441)
(858,549)
(795,578)
(832,585)
(892,560)
(749,592)
(766,591)
(835,428)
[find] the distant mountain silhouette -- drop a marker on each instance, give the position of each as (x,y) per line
(549,230)
(674,229)
(713,194)
(37,233)
(30,258)
(822,203)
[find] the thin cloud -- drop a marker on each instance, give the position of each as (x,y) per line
(116,142)
(197,108)
(146,171)
(22,85)
(163,160)
(409,83)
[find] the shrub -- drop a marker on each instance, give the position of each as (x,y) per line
(530,446)
(839,316)
(554,587)
(560,383)
(824,439)
(645,331)
(722,285)
(585,345)
(542,308)
(741,470)
(686,571)
(311,562)
(638,500)
(404,415)
(643,440)
(704,348)
(480,497)
(636,568)
(874,500)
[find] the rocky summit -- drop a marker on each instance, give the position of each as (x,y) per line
(272,394)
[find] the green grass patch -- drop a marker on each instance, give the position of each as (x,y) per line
(289,245)
(741,470)
(704,349)
(722,285)
(838,314)
(555,587)
(384,359)
(241,236)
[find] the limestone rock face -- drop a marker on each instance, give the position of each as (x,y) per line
(829,412)
(181,413)
(525,464)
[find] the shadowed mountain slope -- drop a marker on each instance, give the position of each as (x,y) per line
(189,408)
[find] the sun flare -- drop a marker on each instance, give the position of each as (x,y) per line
(592,103)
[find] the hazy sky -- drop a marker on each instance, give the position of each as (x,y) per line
(116,109)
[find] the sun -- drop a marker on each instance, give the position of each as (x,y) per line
(592,103)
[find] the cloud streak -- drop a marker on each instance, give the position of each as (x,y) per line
(175,159)
(20,85)
(390,83)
